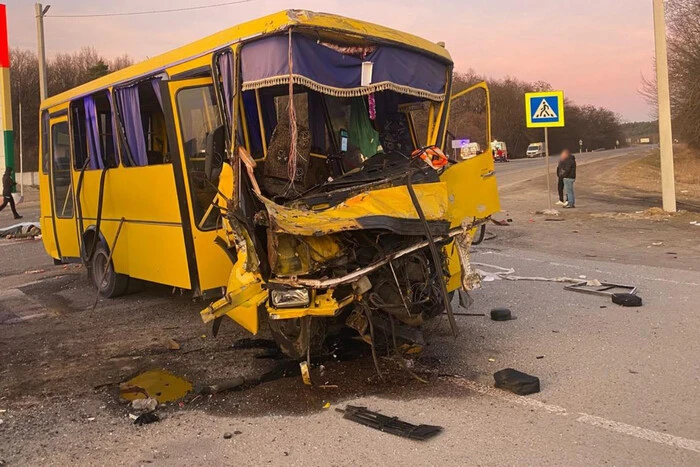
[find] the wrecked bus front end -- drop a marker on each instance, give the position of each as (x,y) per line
(372,229)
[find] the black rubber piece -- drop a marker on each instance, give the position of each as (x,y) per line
(501,314)
(626,299)
(516,381)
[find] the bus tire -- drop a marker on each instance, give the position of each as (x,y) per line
(112,284)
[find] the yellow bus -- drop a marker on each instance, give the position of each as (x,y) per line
(291,167)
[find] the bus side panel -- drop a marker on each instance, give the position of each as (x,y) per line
(151,244)
(152,252)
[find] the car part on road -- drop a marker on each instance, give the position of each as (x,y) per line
(157,384)
(501,314)
(516,381)
(390,425)
(627,299)
(602,288)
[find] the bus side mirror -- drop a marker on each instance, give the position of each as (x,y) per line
(215,153)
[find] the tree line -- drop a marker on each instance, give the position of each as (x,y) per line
(683,37)
(596,126)
(64,71)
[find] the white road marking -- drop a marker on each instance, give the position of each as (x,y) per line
(506,396)
(592,420)
(643,433)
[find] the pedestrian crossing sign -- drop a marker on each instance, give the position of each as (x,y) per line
(544,109)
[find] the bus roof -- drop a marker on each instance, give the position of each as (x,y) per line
(333,26)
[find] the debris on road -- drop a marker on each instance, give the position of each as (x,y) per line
(21,230)
(516,381)
(144,405)
(228,435)
(209,390)
(627,299)
(305,375)
(172,344)
(501,314)
(601,288)
(390,425)
(35,271)
(146,418)
(157,384)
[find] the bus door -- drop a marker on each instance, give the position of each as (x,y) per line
(62,190)
(200,130)
(467,141)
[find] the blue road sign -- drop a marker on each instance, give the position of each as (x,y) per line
(544,109)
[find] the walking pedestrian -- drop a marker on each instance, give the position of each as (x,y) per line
(8,185)
(566,171)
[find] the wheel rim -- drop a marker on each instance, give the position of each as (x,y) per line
(99,271)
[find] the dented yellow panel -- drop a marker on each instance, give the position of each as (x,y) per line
(392,202)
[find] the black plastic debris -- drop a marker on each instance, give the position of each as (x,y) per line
(626,299)
(146,418)
(501,314)
(390,425)
(516,381)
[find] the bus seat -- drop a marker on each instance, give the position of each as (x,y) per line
(275,178)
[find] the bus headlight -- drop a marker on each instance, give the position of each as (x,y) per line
(290,298)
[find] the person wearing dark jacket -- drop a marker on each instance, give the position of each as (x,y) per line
(566,172)
(8,184)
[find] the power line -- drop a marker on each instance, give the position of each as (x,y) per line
(151,12)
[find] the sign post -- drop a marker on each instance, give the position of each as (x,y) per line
(545,110)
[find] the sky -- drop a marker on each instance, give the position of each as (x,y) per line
(596,51)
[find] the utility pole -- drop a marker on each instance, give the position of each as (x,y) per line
(668,183)
(40,13)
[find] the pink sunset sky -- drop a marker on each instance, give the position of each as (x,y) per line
(596,51)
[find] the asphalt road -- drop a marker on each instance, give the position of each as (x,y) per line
(519,170)
(619,385)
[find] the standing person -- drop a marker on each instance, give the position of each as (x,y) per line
(7,186)
(560,180)
(567,171)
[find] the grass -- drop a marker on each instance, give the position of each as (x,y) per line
(686,163)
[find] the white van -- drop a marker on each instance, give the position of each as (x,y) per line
(535,150)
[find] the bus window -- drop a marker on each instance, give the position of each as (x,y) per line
(93,132)
(199,119)
(144,137)
(60,174)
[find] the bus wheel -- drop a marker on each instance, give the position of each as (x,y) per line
(293,336)
(109,283)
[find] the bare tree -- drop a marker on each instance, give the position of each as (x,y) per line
(683,23)
(65,71)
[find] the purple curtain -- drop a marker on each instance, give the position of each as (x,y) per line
(92,131)
(130,110)
(113,122)
(226,70)
(156,89)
